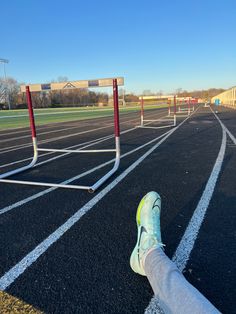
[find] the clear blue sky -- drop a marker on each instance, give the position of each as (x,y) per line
(154,44)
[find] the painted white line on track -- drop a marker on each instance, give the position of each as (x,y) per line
(225,128)
(10,276)
(39,134)
(187,242)
(16,147)
(53,153)
(25,129)
(40,127)
(43,133)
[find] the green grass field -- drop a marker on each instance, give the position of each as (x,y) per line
(19,118)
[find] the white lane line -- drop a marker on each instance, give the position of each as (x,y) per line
(10,276)
(16,147)
(225,128)
(187,242)
(37,195)
(24,129)
(83,147)
(53,125)
(39,134)
(52,153)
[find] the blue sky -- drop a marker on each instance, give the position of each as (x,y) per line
(154,44)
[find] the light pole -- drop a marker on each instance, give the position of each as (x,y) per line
(4,61)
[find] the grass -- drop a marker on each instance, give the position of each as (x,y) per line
(19,118)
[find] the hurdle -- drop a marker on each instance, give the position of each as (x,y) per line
(145,123)
(114,82)
(185,112)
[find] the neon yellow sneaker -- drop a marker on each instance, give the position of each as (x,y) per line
(149,231)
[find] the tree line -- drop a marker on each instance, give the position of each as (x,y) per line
(202,94)
(10,93)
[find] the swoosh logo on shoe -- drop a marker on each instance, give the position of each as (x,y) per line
(143,229)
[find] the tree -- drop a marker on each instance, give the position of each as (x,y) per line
(2,93)
(9,90)
(62,79)
(147,92)
(178,90)
(131,98)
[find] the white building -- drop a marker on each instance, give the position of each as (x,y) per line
(227,98)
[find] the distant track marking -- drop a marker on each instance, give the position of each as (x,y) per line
(187,242)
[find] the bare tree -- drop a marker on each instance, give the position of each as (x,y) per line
(147,92)
(9,90)
(62,79)
(178,90)
(2,91)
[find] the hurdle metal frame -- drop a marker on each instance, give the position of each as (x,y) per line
(146,126)
(36,149)
(185,112)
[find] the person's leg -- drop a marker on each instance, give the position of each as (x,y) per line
(175,294)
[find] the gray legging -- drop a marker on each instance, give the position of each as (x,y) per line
(173,292)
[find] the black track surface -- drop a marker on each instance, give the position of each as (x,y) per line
(87,269)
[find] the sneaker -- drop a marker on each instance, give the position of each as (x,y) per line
(149,231)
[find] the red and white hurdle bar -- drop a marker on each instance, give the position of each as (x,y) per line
(145,123)
(90,188)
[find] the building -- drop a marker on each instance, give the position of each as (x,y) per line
(227,98)
(166,98)
(156,97)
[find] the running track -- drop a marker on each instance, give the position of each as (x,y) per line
(67,251)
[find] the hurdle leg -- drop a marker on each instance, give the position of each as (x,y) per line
(142,111)
(34,140)
(95,186)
